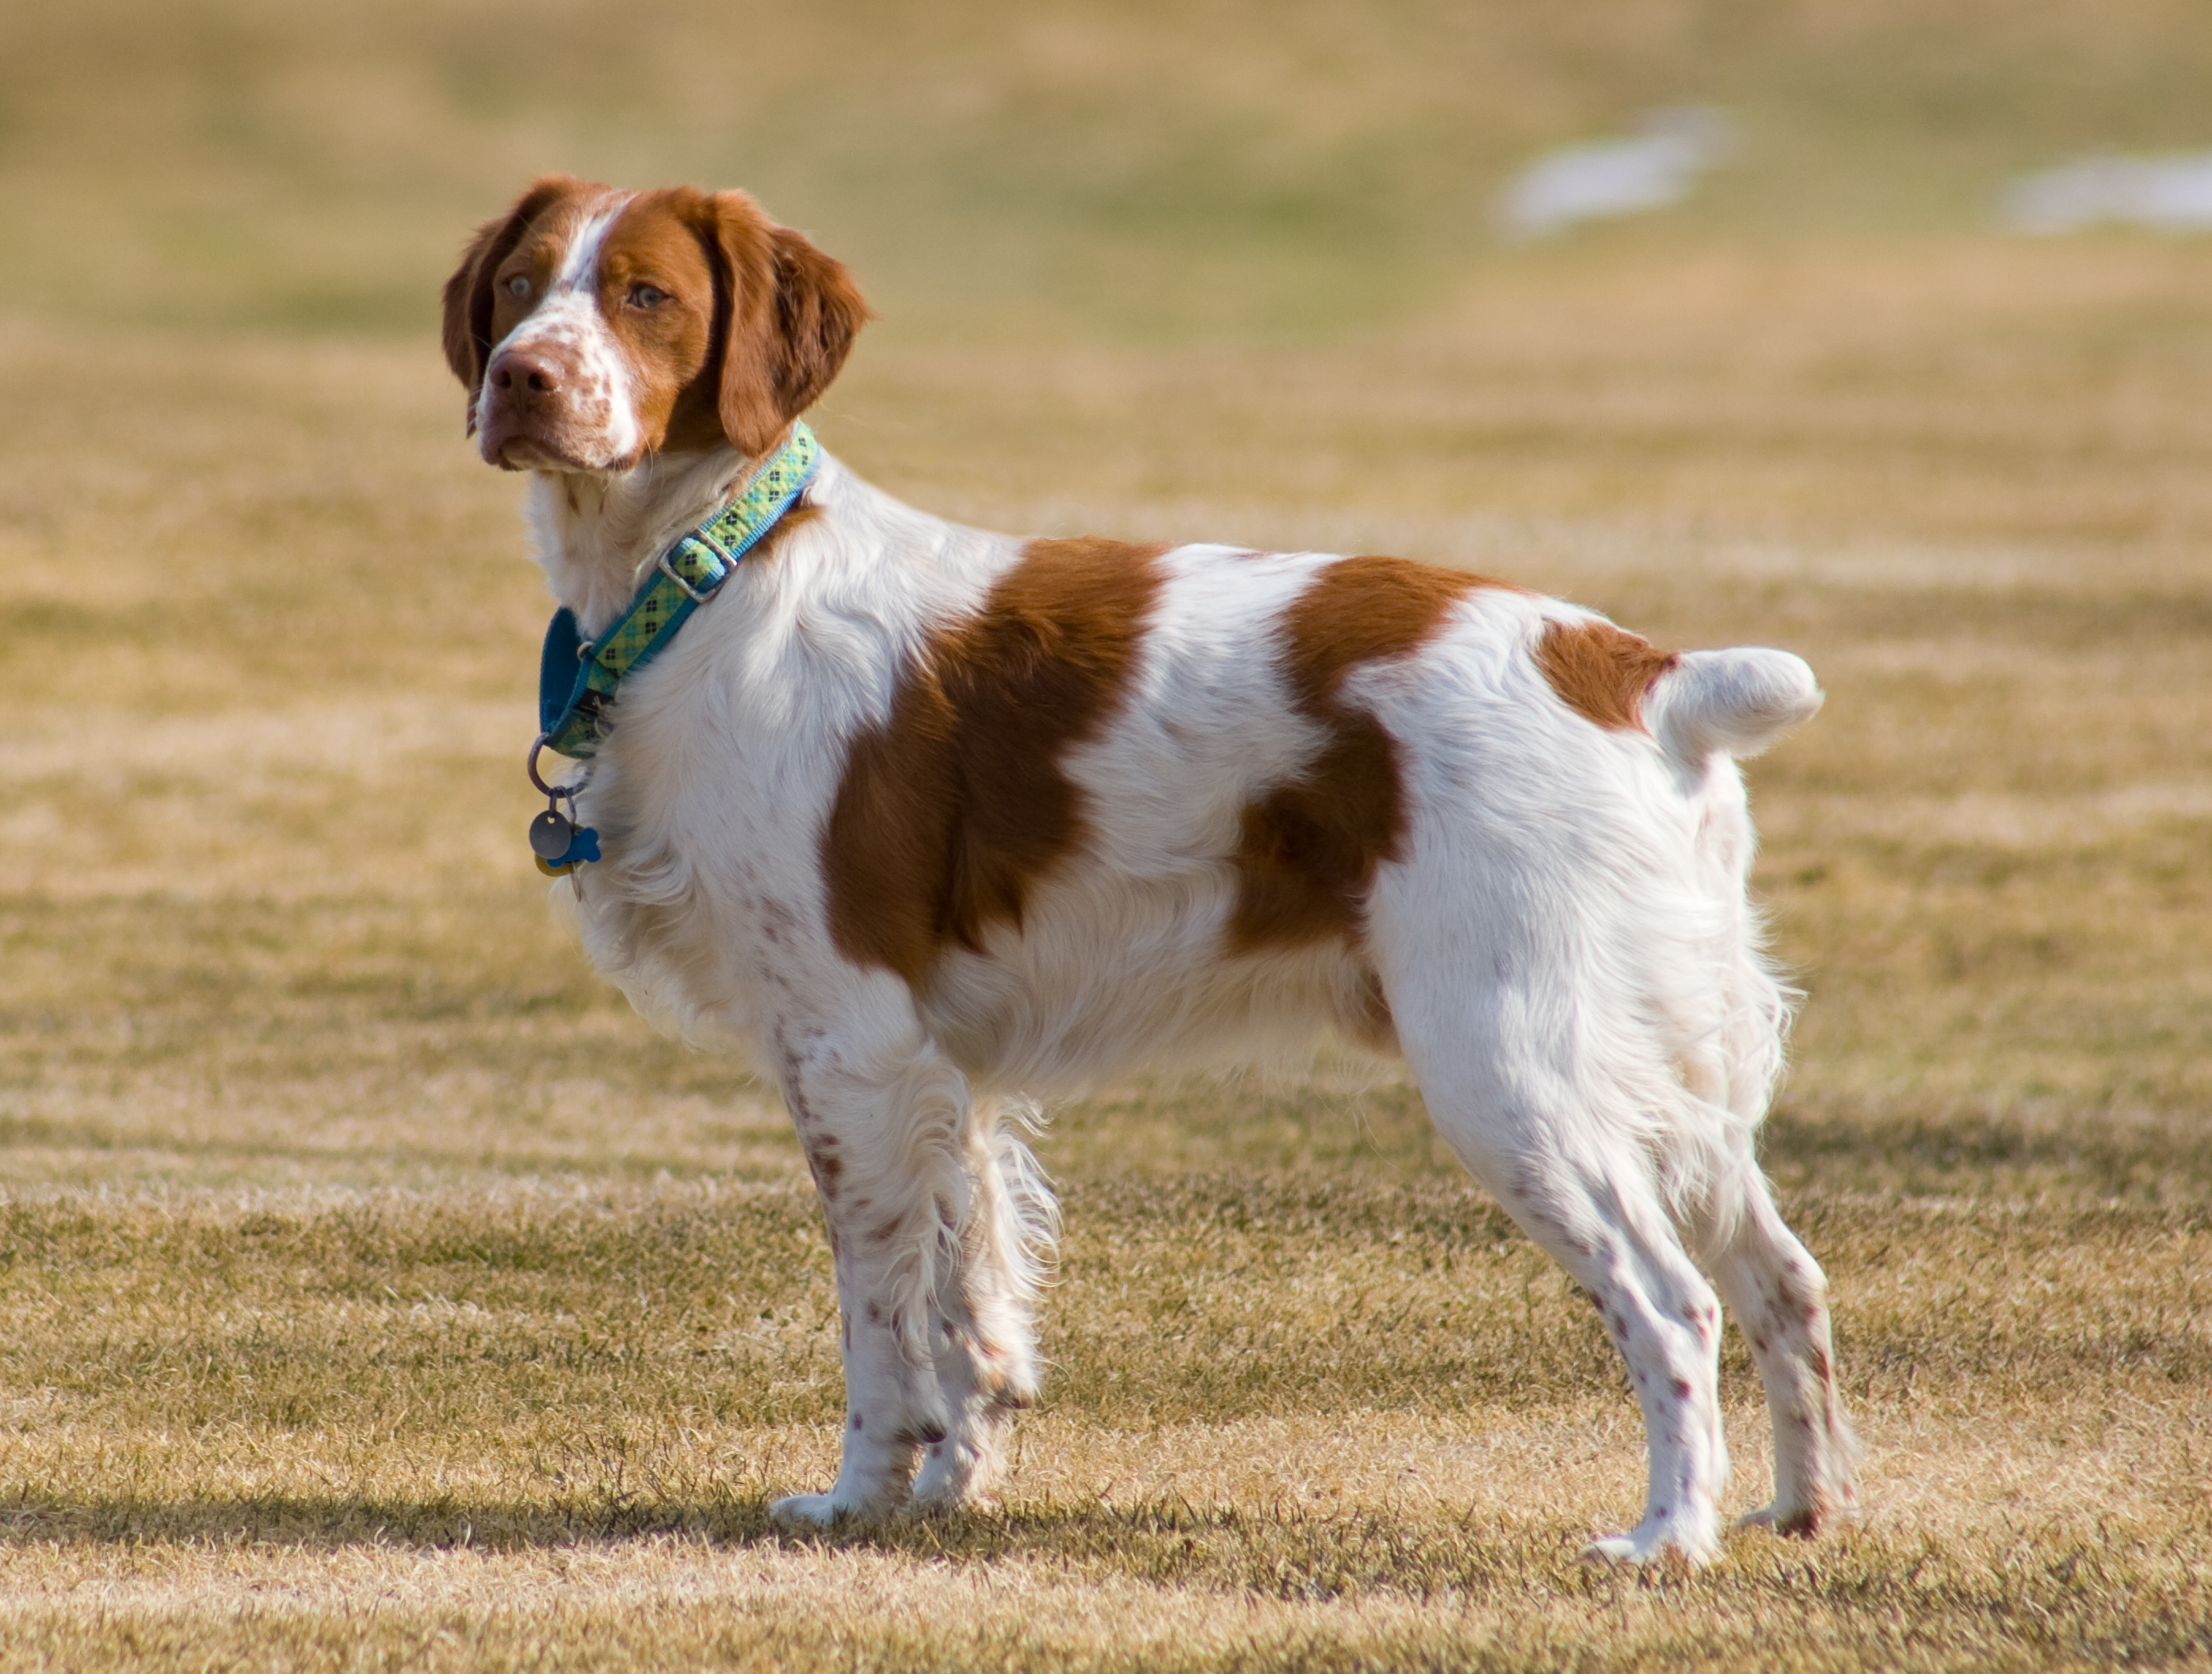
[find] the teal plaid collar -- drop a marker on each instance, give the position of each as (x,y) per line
(577,678)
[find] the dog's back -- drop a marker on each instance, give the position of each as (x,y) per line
(1208,864)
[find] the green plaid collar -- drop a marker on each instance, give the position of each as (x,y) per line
(577,678)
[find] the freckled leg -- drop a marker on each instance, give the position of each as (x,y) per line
(986,1369)
(887,1401)
(884,1143)
(1599,1215)
(1613,1237)
(1779,1297)
(1552,1091)
(1612,1234)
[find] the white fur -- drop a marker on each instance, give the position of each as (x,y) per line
(1568,958)
(568,326)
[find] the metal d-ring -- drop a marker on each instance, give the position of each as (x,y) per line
(552,792)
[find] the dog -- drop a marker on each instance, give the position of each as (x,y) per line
(931,821)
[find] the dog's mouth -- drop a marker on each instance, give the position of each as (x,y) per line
(517,451)
(523,454)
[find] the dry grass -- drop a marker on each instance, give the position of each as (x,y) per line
(374,1291)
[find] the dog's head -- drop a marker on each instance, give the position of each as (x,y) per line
(594,326)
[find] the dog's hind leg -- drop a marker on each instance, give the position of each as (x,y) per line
(1608,1228)
(1505,1069)
(1779,1297)
(987,1367)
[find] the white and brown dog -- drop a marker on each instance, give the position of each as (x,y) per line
(930,819)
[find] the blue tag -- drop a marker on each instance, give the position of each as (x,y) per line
(582,847)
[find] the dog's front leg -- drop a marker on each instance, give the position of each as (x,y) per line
(891,1407)
(882,1132)
(987,1367)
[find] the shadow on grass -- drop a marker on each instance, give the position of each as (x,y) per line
(1285,1549)
(377,1159)
(441,1521)
(373,1160)
(2148,1159)
(2075,1590)
(332,1521)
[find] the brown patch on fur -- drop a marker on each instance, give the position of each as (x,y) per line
(670,344)
(950,811)
(1600,672)
(787,315)
(1307,851)
(800,513)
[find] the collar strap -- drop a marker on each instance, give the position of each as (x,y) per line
(577,678)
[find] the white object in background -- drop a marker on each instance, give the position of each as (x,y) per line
(1611,177)
(2167,194)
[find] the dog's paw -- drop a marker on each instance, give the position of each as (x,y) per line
(1613,1548)
(806,1511)
(960,1473)
(948,1493)
(1650,1542)
(1802,1523)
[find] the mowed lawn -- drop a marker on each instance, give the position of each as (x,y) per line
(377,1291)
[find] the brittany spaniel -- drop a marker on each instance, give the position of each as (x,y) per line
(931,820)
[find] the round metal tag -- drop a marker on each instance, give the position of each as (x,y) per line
(550,834)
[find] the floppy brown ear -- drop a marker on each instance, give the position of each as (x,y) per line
(468,293)
(793,312)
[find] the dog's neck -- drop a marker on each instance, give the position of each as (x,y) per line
(595,535)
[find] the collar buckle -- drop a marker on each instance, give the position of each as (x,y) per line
(697,595)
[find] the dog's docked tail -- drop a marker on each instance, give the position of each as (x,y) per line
(1732,702)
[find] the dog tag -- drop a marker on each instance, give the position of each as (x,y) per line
(550,834)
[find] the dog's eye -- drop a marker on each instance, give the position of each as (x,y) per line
(648,296)
(519,285)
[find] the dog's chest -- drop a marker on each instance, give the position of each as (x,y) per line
(713,789)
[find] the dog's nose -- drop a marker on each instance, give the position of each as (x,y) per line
(516,370)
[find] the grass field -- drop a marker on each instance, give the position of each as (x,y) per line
(375,1291)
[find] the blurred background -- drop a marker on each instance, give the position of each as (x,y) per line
(1856,377)
(1045,171)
